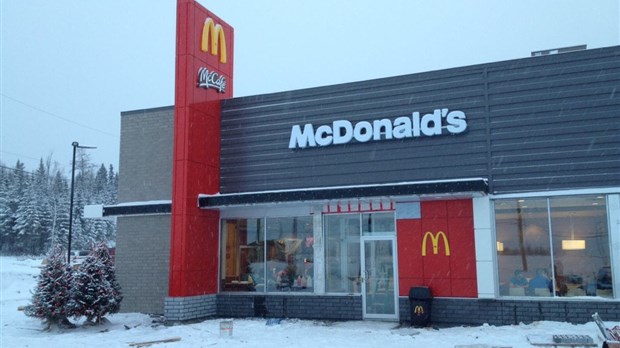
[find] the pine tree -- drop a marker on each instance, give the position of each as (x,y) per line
(95,292)
(52,292)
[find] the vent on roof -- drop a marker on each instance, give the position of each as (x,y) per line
(558,50)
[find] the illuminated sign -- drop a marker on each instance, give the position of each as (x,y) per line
(213,41)
(211,79)
(440,122)
(213,34)
(435,241)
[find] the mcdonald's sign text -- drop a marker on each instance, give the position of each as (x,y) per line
(435,241)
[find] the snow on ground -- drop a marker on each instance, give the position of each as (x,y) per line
(18,278)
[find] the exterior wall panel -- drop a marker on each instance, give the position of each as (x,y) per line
(554,122)
(146,155)
(543,123)
(256,133)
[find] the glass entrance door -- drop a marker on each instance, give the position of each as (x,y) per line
(379,298)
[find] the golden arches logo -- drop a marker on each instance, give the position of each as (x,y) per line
(213,37)
(418,310)
(435,241)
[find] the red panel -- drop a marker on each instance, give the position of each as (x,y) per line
(194,235)
(404,284)
(464,287)
(408,241)
(463,263)
(433,209)
(460,208)
(440,287)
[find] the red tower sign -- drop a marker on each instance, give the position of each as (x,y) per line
(204,76)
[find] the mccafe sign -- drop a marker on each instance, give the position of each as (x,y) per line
(439,122)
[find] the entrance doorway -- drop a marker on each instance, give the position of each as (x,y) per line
(379,295)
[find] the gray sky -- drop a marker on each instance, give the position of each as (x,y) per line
(70,67)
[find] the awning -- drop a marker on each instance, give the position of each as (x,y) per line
(392,190)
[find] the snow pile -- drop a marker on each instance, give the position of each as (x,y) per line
(18,278)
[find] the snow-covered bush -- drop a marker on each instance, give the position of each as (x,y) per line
(52,292)
(95,291)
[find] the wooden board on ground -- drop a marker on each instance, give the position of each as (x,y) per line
(148,343)
(548,341)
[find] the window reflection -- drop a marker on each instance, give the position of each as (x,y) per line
(283,261)
(569,233)
(242,255)
(290,254)
(342,251)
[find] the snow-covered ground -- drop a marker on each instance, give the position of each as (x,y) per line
(18,278)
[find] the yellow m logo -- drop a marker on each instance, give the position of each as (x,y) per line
(418,310)
(435,241)
(214,34)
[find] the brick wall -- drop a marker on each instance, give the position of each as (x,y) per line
(145,164)
(189,308)
(453,311)
(143,242)
(142,262)
(283,306)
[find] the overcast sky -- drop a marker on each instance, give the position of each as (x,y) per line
(70,67)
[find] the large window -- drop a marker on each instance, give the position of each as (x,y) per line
(553,246)
(281,261)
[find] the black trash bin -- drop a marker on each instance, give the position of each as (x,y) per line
(420,305)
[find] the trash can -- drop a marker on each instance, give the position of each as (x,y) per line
(420,305)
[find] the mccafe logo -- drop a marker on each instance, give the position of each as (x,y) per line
(213,41)
(211,79)
(440,122)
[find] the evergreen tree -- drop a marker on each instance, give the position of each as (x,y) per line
(52,292)
(95,292)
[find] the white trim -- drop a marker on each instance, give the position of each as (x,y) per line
(485,247)
(613,214)
(571,192)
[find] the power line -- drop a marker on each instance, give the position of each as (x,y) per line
(57,116)
(16,170)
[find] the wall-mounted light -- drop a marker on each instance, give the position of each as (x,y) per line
(572,243)
(500,246)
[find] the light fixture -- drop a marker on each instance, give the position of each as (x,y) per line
(572,243)
(500,246)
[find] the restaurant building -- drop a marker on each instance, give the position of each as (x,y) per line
(495,185)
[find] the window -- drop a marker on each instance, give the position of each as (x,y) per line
(553,246)
(281,261)
(243,255)
(290,254)
(342,253)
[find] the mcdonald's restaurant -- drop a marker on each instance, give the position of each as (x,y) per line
(496,187)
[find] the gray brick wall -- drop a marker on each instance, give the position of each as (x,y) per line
(142,262)
(188,308)
(453,311)
(145,165)
(283,306)
(143,242)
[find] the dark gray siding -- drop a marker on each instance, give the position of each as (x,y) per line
(534,124)
(256,131)
(555,122)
